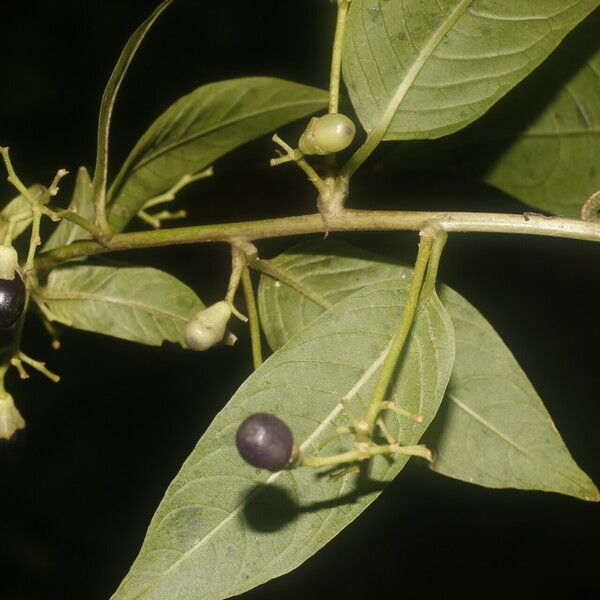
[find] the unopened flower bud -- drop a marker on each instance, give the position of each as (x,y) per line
(330,133)
(10,418)
(9,262)
(207,327)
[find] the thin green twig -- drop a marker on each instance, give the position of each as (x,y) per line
(408,317)
(345,220)
(253,319)
(336,58)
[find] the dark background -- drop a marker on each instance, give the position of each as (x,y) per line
(79,486)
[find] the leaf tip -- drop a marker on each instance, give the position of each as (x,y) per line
(594,496)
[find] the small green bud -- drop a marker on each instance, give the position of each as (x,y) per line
(10,418)
(9,262)
(207,327)
(12,288)
(330,133)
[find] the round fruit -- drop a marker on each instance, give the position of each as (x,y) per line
(332,132)
(265,442)
(12,300)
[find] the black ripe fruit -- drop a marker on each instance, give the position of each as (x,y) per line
(12,300)
(265,442)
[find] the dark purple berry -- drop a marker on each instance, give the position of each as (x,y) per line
(12,300)
(265,442)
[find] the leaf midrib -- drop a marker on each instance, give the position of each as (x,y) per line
(222,124)
(523,450)
(307,442)
(73,296)
(412,73)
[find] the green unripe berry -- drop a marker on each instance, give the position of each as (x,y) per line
(330,133)
(207,327)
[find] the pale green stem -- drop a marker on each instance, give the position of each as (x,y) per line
(339,432)
(358,158)
(238,264)
(53,214)
(358,455)
(35,239)
(297,157)
(345,220)
(434,262)
(384,430)
(36,364)
(171,193)
(17,363)
(408,316)
(156,220)
(12,223)
(336,58)
(147,218)
(12,176)
(252,318)
(69,215)
(392,406)
(50,327)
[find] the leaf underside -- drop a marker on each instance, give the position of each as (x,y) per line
(541,142)
(200,128)
(493,429)
(430,68)
(140,304)
(224,527)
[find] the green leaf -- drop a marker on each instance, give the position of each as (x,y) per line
(224,527)
(332,270)
(133,303)
(200,128)
(493,429)
(419,69)
(14,207)
(110,95)
(83,203)
(541,143)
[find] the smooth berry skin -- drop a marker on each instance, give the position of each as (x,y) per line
(12,300)
(333,132)
(265,442)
